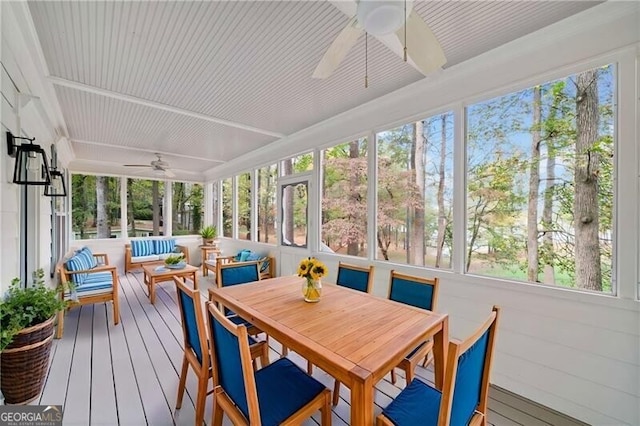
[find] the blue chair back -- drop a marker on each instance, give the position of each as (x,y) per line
(227,361)
(191,316)
(239,273)
(468,385)
(413,291)
(355,277)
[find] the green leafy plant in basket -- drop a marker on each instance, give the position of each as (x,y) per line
(25,307)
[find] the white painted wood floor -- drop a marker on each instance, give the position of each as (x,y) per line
(128,374)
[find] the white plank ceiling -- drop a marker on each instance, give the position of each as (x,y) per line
(204,82)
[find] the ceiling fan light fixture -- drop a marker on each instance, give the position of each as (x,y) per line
(382,17)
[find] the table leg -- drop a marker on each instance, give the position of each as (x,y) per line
(440,345)
(195,282)
(152,291)
(362,403)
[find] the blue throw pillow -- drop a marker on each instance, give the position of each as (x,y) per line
(253,256)
(142,248)
(244,255)
(164,246)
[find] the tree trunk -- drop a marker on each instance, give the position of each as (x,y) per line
(130,215)
(155,197)
(102,222)
(548,255)
(585,205)
(354,153)
(416,231)
(534,183)
(442,216)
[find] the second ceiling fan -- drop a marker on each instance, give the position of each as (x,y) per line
(386,21)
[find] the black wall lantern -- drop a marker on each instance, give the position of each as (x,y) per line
(57,187)
(31,166)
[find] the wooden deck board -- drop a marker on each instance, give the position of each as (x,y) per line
(128,374)
(103,399)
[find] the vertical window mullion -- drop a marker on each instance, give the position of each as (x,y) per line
(459,190)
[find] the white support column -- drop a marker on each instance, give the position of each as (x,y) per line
(124,226)
(207,211)
(167,224)
(254,205)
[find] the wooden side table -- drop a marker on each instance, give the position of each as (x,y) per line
(205,251)
(154,274)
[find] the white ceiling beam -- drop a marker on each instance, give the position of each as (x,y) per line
(145,150)
(127,98)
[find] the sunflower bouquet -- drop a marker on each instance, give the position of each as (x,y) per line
(312,269)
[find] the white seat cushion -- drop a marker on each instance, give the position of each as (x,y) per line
(145,258)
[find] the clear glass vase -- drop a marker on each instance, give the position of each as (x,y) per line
(311,290)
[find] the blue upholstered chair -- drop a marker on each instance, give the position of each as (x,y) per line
(86,278)
(276,394)
(421,293)
(196,346)
(235,273)
(463,399)
(355,277)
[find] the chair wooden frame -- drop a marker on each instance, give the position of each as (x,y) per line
(226,260)
(109,295)
(224,404)
(203,370)
(456,349)
(409,364)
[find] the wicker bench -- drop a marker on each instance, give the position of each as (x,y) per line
(150,251)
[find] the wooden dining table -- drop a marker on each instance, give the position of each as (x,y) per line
(355,337)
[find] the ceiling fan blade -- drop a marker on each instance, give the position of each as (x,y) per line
(136,165)
(349,8)
(338,50)
(423,49)
(168,173)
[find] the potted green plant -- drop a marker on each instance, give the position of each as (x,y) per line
(26,334)
(208,234)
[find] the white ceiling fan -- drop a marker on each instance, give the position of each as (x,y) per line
(158,167)
(386,21)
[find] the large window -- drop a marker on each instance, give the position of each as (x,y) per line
(95,206)
(540,177)
(267,181)
(244,206)
(415,191)
(227,208)
(344,198)
(145,201)
(187,208)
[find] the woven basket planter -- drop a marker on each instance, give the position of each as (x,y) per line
(24,363)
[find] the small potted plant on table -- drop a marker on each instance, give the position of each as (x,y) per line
(208,234)
(26,334)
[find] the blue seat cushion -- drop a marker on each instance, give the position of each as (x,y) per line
(417,404)
(142,248)
(283,388)
(164,246)
(96,281)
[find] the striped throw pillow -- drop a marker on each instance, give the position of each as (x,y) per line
(164,246)
(142,248)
